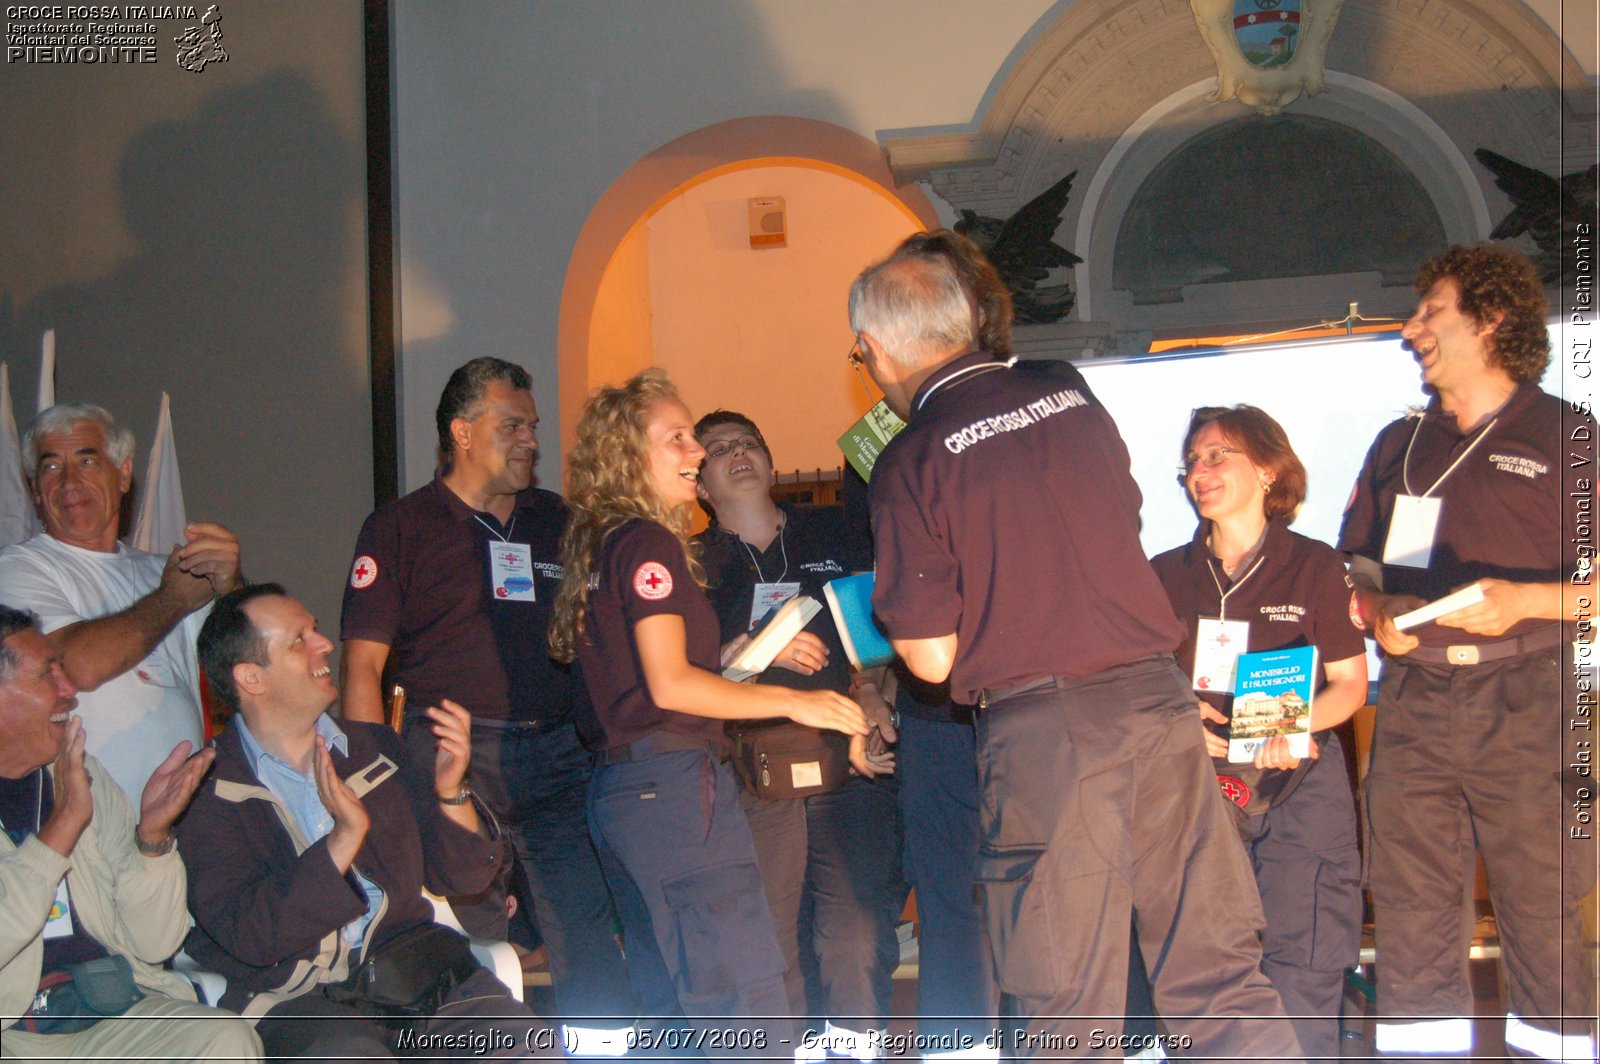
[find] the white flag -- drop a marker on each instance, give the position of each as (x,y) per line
(18,521)
(47,372)
(160,522)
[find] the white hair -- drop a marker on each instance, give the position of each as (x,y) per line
(914,306)
(61,418)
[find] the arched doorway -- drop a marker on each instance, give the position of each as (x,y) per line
(663,272)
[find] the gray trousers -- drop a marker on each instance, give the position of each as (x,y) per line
(157,1028)
(1101,809)
(1478,752)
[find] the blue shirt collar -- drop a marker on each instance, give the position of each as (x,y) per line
(254,752)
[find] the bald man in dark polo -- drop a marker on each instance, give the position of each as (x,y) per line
(1006,525)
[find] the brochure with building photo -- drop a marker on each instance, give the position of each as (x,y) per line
(1273,691)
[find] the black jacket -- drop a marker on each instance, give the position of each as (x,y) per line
(269,910)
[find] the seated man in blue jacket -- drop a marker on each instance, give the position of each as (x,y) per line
(308,848)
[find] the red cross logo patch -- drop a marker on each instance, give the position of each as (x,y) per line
(652,581)
(363,572)
(1235,790)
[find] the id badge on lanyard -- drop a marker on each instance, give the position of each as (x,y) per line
(1412,529)
(1414,524)
(769,597)
(1217,646)
(510,571)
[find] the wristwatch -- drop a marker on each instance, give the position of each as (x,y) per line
(461,798)
(159,849)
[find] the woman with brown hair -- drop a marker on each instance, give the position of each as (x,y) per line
(1245,583)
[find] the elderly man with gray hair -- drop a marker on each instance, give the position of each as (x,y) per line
(125,620)
(1006,526)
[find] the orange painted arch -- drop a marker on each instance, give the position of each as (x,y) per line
(740,143)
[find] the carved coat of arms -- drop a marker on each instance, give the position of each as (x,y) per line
(1268,51)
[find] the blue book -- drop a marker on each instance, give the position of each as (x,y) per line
(850,600)
(1272,695)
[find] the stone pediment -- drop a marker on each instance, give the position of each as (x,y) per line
(1113,88)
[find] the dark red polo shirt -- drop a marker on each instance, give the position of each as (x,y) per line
(1005,513)
(814,547)
(1295,593)
(642,572)
(1502,509)
(420,585)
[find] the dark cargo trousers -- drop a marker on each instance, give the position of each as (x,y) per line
(830,865)
(1479,751)
(677,854)
(1308,869)
(1100,807)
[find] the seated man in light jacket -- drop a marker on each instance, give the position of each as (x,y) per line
(83,884)
(308,848)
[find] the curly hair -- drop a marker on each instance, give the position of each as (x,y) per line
(608,484)
(1494,281)
(978,277)
(1263,441)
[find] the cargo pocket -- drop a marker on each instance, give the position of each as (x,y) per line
(725,936)
(1336,913)
(1017,909)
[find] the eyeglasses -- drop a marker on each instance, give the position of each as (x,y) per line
(1211,456)
(857,356)
(742,444)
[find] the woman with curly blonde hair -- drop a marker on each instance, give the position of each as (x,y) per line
(663,808)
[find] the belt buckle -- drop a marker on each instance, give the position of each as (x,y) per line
(1461,654)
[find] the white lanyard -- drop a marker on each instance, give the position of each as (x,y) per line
(1405,463)
(756,562)
(510,565)
(1222,604)
(512,527)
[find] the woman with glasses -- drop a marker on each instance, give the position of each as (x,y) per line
(1245,583)
(663,808)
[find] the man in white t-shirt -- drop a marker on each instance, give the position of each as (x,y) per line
(125,620)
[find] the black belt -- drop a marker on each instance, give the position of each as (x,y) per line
(989,696)
(1480,653)
(518,725)
(661,742)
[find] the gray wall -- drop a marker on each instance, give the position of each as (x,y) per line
(203,233)
(514,116)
